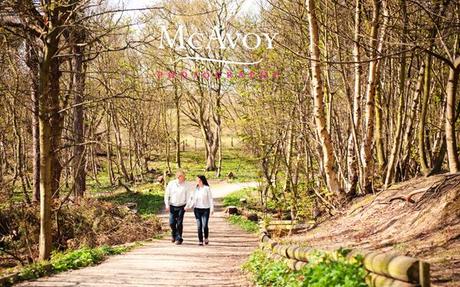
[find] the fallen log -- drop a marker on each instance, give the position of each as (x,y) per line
(385,269)
(399,267)
(376,280)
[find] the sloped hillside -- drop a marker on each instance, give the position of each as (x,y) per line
(420,218)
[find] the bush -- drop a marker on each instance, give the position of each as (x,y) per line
(90,222)
(323,270)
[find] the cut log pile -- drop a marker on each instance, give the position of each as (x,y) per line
(384,269)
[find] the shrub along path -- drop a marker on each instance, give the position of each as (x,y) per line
(161,263)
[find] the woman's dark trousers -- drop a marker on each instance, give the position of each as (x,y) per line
(202,219)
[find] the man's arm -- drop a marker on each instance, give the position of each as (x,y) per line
(166,197)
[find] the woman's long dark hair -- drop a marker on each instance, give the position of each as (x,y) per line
(203,180)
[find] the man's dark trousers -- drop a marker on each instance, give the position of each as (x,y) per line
(176,219)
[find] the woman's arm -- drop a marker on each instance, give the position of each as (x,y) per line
(191,200)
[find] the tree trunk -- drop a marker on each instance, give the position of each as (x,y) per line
(409,130)
(379,145)
(48,130)
(57,124)
(79,160)
(32,63)
(219,154)
(317,92)
(177,103)
(394,155)
(218,139)
(119,145)
(451,90)
(421,128)
(366,150)
(356,115)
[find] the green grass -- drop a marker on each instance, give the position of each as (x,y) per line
(242,165)
(73,259)
(233,198)
(322,270)
(148,197)
(234,160)
(245,224)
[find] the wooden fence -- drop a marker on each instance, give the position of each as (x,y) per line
(384,269)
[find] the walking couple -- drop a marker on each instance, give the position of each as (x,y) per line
(179,199)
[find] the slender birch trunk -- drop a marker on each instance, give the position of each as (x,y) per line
(451,142)
(394,155)
(317,92)
(366,150)
(356,115)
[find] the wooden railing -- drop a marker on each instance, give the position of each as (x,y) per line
(384,269)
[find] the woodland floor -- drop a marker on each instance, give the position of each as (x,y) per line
(427,228)
(161,263)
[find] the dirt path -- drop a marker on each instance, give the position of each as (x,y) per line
(161,263)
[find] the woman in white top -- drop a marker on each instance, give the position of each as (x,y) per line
(202,203)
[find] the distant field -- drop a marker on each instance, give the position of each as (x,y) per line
(234,160)
(195,142)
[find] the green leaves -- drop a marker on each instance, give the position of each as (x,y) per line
(73,259)
(333,270)
(323,270)
(245,224)
(233,198)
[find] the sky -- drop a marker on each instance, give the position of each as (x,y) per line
(251,7)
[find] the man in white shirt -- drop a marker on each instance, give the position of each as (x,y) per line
(176,197)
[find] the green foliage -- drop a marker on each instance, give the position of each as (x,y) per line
(82,257)
(267,272)
(245,224)
(323,270)
(234,197)
(149,199)
(73,259)
(35,270)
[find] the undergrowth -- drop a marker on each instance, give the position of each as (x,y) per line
(63,261)
(233,198)
(89,222)
(245,224)
(323,270)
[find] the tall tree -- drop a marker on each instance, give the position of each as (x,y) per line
(317,92)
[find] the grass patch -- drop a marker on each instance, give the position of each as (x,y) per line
(245,224)
(250,193)
(73,259)
(243,166)
(233,199)
(148,197)
(323,270)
